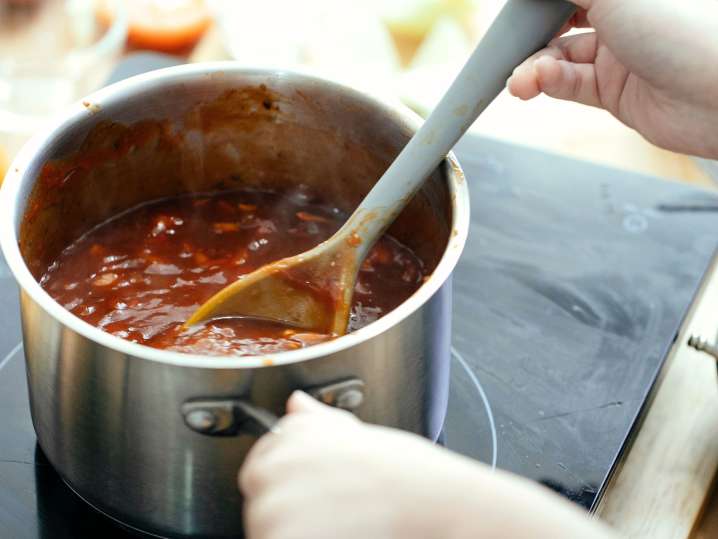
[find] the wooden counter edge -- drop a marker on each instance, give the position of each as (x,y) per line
(660,490)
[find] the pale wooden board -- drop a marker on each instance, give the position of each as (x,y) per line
(662,486)
(707,527)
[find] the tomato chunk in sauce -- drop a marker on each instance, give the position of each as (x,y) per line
(141,275)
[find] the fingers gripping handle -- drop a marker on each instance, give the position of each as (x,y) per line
(521,28)
(235,416)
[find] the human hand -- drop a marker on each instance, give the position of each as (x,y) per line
(651,63)
(327,475)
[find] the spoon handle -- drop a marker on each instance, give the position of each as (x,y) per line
(521,28)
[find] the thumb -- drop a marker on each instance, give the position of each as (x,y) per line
(301,403)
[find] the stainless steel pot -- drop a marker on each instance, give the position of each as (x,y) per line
(155,438)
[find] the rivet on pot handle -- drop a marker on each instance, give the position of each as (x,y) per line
(227,417)
(347,394)
(230,417)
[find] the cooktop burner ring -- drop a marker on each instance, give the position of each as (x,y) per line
(4,361)
(465,390)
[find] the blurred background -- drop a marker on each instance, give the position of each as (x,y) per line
(53,52)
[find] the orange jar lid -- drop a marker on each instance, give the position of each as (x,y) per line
(161,25)
(4,164)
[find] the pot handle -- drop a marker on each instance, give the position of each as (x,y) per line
(231,417)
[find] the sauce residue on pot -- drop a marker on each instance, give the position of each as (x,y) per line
(140,275)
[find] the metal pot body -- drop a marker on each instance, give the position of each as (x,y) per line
(107,413)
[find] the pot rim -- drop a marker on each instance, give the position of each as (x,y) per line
(12,207)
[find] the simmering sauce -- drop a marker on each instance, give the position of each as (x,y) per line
(141,275)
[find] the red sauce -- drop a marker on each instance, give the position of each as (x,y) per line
(140,275)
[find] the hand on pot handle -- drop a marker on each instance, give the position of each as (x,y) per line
(325,474)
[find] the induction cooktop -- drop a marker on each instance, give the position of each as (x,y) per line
(571,291)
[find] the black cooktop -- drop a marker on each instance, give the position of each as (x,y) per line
(572,288)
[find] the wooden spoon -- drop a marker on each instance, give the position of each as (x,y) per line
(313,290)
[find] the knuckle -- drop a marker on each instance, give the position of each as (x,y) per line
(575,83)
(561,45)
(260,447)
(262,516)
(347,415)
(250,480)
(258,520)
(298,424)
(254,474)
(280,464)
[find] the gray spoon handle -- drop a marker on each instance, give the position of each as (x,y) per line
(521,28)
